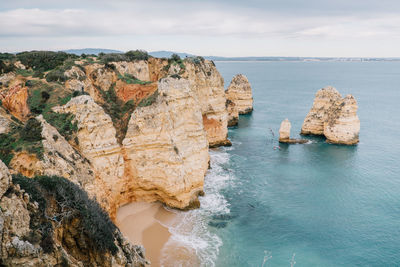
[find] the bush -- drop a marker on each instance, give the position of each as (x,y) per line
(43,60)
(56,75)
(72,202)
(32,131)
(137,55)
(21,138)
(6,67)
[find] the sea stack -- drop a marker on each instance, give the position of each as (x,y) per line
(284,134)
(239,92)
(334,117)
(284,130)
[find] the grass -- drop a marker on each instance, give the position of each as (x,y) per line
(149,100)
(21,138)
(130,79)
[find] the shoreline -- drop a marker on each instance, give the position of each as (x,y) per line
(144,223)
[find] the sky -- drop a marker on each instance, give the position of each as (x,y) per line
(320,28)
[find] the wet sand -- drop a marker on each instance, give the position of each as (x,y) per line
(142,223)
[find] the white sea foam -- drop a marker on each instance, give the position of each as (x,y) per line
(190,233)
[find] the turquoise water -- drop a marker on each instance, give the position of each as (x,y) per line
(324,205)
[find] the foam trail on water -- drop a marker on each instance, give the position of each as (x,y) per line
(192,243)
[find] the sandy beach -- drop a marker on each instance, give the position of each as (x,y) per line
(143,223)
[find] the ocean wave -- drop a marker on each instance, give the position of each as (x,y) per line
(190,233)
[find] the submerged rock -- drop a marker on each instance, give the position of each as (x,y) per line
(334,117)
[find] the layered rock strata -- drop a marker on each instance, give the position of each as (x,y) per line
(239,92)
(334,117)
(207,85)
(166,148)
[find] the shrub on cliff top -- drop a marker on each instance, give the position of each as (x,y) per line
(71,203)
(128,56)
(6,67)
(137,55)
(43,60)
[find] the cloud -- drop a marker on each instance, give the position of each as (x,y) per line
(255,25)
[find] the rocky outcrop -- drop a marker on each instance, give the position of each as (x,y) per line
(138,69)
(37,230)
(314,121)
(284,130)
(284,134)
(15,101)
(342,125)
(166,149)
(239,92)
(333,116)
(208,86)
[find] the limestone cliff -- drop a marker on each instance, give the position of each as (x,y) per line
(208,86)
(97,142)
(239,92)
(41,225)
(334,117)
(165,149)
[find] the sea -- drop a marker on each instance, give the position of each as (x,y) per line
(313,204)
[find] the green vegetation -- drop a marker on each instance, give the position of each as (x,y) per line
(24,73)
(130,79)
(175,60)
(195,60)
(21,138)
(6,67)
(118,111)
(137,55)
(128,56)
(43,60)
(61,201)
(63,122)
(43,97)
(149,100)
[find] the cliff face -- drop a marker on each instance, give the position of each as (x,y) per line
(208,86)
(165,149)
(239,92)
(30,238)
(123,131)
(333,116)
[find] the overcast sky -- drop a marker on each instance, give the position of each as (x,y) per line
(348,28)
